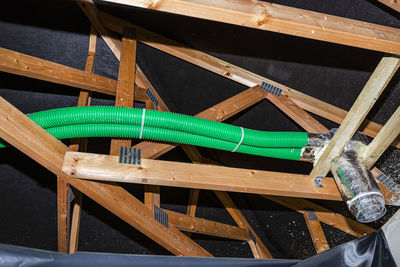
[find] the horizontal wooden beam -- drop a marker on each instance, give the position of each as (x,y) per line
(33,67)
(235,73)
(21,132)
(324,215)
(384,138)
(363,104)
(282,19)
(165,173)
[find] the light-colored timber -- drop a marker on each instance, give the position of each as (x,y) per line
(364,102)
(282,19)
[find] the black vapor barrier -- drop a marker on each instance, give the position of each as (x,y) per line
(371,250)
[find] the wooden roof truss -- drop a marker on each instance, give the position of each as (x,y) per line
(131,85)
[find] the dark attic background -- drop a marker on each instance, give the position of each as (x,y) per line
(58,31)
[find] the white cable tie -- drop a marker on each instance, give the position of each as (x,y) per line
(362,195)
(241,140)
(141,127)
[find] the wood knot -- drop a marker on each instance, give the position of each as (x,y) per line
(265,19)
(153,5)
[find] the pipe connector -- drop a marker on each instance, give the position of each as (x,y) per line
(355,181)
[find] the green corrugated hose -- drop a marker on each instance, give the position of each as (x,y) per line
(133,131)
(167,120)
(110,121)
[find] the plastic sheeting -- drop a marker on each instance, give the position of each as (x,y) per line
(26,257)
(371,250)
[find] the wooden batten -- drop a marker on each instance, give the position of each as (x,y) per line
(33,67)
(125,95)
(282,19)
(385,137)
(85,99)
(364,102)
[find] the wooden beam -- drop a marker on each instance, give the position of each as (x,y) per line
(33,67)
(192,203)
(282,19)
(21,64)
(324,215)
(63,218)
(306,121)
(203,226)
(165,173)
(124,205)
(114,43)
(151,192)
(394,4)
(235,73)
(111,39)
(368,96)
(152,196)
(257,246)
(143,82)
(310,124)
(85,99)
(75,222)
(317,234)
(126,82)
(384,138)
(21,132)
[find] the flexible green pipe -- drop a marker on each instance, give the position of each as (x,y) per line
(110,121)
(160,134)
(167,120)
